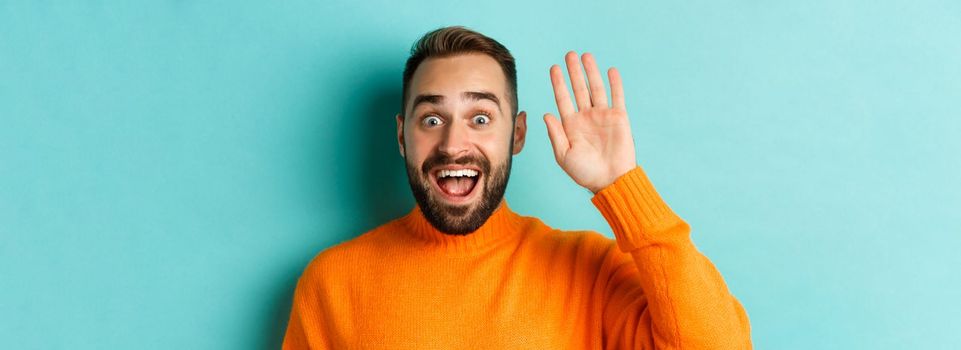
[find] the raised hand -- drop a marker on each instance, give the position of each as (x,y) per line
(593,144)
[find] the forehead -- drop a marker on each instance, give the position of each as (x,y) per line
(450,76)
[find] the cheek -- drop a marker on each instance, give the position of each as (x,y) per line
(418,147)
(495,148)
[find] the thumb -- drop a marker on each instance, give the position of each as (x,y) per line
(555,131)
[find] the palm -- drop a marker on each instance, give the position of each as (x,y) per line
(592,144)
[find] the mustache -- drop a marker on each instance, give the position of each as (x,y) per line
(439,159)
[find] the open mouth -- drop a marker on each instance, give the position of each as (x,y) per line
(456,184)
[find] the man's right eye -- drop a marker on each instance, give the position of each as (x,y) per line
(432,121)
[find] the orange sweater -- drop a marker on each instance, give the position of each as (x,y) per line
(516,283)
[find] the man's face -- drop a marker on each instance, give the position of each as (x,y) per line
(457,138)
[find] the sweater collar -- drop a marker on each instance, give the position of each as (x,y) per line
(503,224)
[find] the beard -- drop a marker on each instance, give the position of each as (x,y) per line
(458,219)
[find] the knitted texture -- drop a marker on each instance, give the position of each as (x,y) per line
(516,283)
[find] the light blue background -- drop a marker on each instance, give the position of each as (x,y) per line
(168,168)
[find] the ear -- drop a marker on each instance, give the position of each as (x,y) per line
(400,133)
(520,131)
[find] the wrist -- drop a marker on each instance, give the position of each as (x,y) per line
(617,174)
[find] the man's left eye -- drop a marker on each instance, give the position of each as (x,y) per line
(481,119)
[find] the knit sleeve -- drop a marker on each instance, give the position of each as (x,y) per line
(306,326)
(660,292)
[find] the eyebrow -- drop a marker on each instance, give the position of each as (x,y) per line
(467,95)
(481,95)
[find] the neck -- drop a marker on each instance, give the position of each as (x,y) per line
(503,224)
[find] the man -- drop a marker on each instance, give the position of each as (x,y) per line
(463,271)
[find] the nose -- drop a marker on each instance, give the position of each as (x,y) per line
(456,140)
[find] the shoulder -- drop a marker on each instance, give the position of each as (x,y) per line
(589,255)
(345,257)
(567,237)
(583,244)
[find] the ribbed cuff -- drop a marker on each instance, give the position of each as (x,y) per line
(635,211)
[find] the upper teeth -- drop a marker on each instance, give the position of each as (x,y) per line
(462,172)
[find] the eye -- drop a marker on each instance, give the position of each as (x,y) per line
(432,120)
(481,119)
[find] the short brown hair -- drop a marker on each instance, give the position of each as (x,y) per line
(454,40)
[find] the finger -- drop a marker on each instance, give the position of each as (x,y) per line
(563,99)
(594,80)
(581,95)
(558,137)
(617,88)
